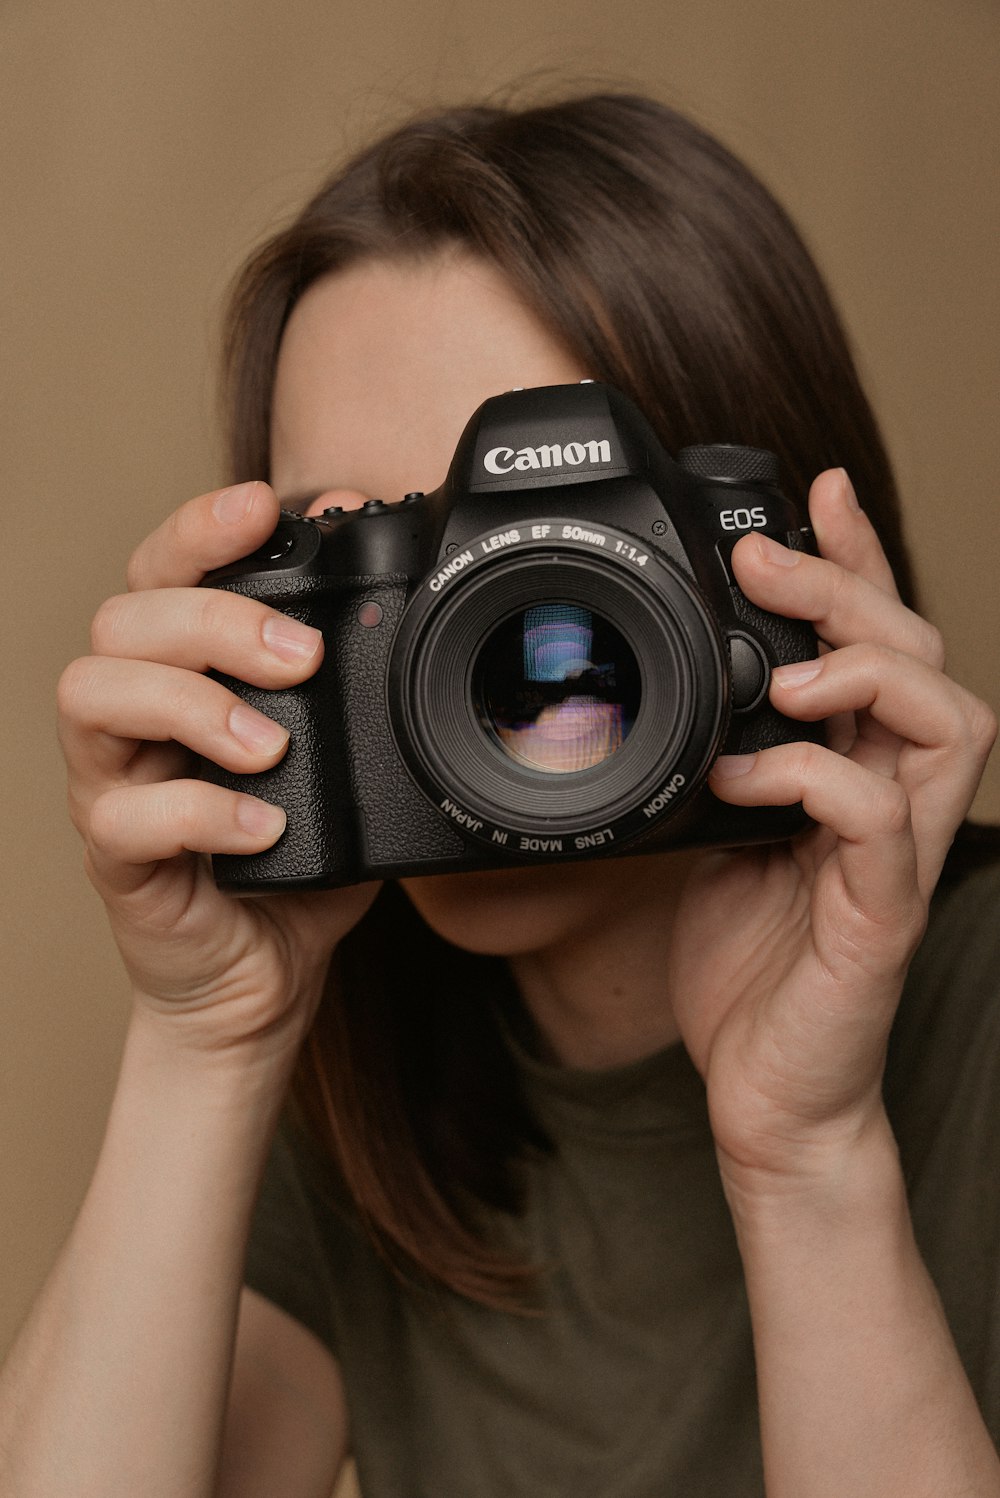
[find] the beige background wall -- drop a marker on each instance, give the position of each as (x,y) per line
(147,146)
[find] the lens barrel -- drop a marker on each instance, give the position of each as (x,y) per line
(545,695)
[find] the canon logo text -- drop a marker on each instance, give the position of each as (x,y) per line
(549,455)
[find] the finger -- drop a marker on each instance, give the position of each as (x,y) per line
(870,816)
(210,531)
(109,705)
(845,534)
(132,827)
(149,763)
(843,607)
(949,731)
(203,629)
(901,692)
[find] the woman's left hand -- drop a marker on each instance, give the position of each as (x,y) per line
(789,961)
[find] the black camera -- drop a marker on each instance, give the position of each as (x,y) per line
(539,661)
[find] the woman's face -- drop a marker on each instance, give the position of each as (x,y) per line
(380,368)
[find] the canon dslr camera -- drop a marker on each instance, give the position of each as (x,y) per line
(539,661)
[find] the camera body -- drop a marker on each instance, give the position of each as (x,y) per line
(539,661)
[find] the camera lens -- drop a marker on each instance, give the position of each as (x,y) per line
(537,692)
(557,687)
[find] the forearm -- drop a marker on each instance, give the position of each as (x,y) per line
(117,1383)
(861,1388)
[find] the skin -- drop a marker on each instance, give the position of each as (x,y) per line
(779,969)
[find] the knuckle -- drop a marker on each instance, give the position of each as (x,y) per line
(838,588)
(217,617)
(870,659)
(980,724)
(177,534)
(193,813)
(931,645)
(79,809)
(179,699)
(108,624)
(806,760)
(890,807)
(209,618)
(908,921)
(180,805)
(103,825)
(75,687)
(188,525)
(137,569)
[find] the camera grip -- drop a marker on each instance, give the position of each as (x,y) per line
(311,782)
(789,640)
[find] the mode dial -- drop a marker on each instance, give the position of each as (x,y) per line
(728,460)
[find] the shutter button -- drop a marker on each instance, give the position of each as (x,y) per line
(273,550)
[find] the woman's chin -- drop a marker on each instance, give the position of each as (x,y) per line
(502,913)
(510,912)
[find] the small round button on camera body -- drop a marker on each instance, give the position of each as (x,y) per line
(751,672)
(333,510)
(414,494)
(369,614)
(373,504)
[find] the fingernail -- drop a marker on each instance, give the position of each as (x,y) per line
(233,505)
(728,766)
(289,639)
(773,551)
(847,491)
(260,818)
(797,673)
(255,731)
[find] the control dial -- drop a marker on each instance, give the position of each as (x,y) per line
(728,460)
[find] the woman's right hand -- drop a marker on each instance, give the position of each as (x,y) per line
(134,716)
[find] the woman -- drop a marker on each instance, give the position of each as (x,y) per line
(575,1149)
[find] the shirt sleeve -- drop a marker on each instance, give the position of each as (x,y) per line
(285,1260)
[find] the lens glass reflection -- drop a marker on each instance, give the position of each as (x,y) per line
(557,687)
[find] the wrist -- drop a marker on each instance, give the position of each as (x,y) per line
(851,1176)
(254,1066)
(860,1387)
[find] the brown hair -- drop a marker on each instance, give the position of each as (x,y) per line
(673,274)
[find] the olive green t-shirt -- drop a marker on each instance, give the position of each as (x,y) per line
(637,1380)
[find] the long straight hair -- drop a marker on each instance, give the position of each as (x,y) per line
(671,272)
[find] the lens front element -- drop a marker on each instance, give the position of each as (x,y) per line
(557,687)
